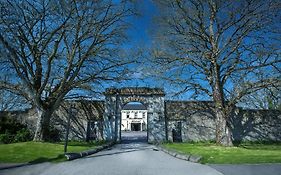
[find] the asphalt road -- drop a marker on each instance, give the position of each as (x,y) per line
(248,169)
(129,158)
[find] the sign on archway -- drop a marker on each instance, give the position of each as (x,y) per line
(152,98)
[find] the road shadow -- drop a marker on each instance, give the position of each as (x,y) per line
(130,142)
(121,152)
(132,137)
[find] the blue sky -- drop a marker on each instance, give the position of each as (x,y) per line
(139,33)
(139,37)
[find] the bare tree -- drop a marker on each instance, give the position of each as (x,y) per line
(58,49)
(219,49)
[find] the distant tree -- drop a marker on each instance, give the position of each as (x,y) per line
(223,50)
(10,101)
(263,99)
(54,50)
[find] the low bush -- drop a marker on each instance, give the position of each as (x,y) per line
(6,138)
(12,131)
(54,135)
(23,135)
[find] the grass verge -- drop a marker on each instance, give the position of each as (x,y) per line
(36,152)
(248,153)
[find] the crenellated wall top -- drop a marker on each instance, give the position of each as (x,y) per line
(139,91)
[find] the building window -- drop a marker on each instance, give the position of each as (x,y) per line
(128,114)
(143,115)
(136,114)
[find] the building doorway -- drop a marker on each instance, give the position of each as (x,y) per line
(134,122)
(136,126)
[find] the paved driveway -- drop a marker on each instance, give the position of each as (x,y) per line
(129,158)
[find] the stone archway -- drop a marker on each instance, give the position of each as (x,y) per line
(152,98)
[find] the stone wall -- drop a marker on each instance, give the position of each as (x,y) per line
(256,125)
(195,121)
(86,120)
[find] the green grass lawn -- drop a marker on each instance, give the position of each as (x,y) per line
(245,153)
(36,152)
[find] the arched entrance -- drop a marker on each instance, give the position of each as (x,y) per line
(152,98)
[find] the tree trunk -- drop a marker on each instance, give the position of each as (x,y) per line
(223,130)
(42,125)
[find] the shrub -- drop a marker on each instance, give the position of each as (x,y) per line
(23,135)
(6,138)
(54,135)
(9,124)
(13,131)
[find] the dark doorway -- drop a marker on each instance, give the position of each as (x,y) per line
(136,126)
(177,137)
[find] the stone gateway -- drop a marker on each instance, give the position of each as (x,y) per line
(151,98)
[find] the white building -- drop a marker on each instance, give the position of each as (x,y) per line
(134,118)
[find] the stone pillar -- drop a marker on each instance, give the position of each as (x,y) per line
(156,120)
(108,117)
